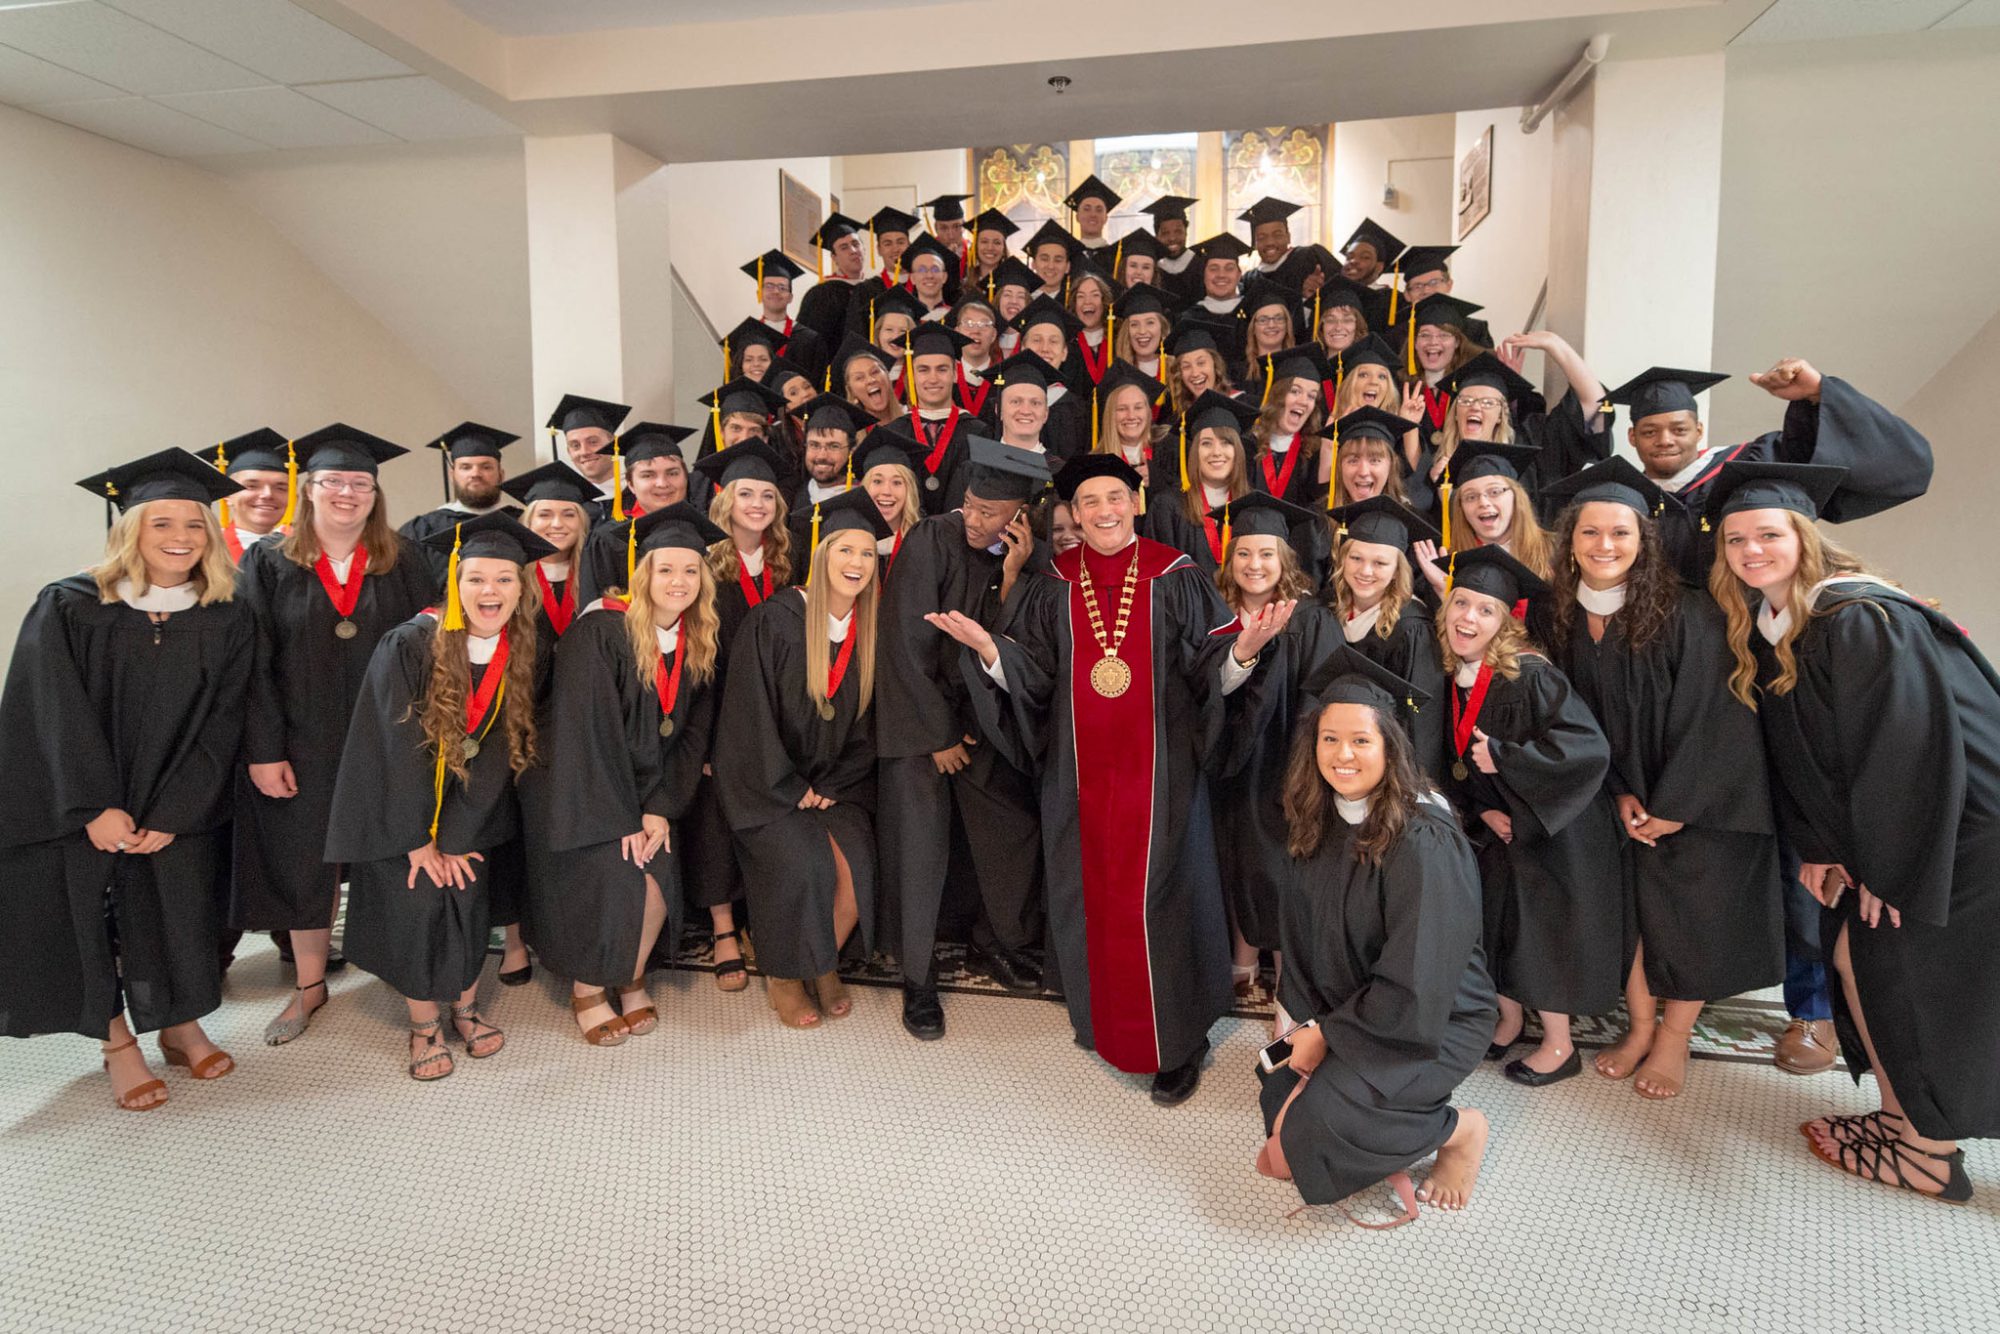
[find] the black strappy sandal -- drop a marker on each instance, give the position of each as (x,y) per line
(731,968)
(1847,1131)
(1869,1156)
(435,1053)
(469,1014)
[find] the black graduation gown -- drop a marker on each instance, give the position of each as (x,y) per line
(1410,651)
(302,692)
(1067,432)
(1566,440)
(1262,714)
(1136,918)
(950,472)
(1168,524)
(1387,959)
(1887,463)
(823,309)
(804,348)
(1885,758)
(603,766)
(1707,900)
(427,943)
(102,709)
(1303,486)
(1555,901)
(770,746)
(922,707)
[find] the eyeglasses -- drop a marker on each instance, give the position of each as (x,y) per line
(1272,321)
(1424,285)
(1482,402)
(964,325)
(340,487)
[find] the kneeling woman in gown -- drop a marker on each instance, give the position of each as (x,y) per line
(794,762)
(629,715)
(1381,928)
(444,725)
(118,734)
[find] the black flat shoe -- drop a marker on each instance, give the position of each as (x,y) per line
(1009,968)
(518,977)
(923,1015)
(1172,1087)
(335,961)
(1520,1073)
(1496,1050)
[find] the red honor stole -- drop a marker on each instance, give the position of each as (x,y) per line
(1436,404)
(479,704)
(1277,480)
(1464,720)
(561,610)
(343,596)
(751,592)
(935,459)
(974,403)
(1097,362)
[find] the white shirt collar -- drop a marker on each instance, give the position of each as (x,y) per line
(1773,624)
(555,571)
(343,564)
(1356,627)
(247,539)
(1056,392)
(458,508)
(1687,474)
(838,626)
(1353,812)
(1467,674)
(1094,337)
(178,598)
(1603,603)
(1177,263)
(668,637)
(1280,443)
(818,491)
(1224,305)
(481,650)
(754,561)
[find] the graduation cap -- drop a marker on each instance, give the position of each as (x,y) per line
(1614,481)
(1092,188)
(1489,370)
(551,481)
(1261,514)
(1349,676)
(1138,241)
(1367,422)
(170,474)
(852,508)
(679,525)
(1002,472)
(1121,373)
(933,338)
(341,448)
(1424,259)
(469,440)
(887,220)
(1141,299)
(1307,361)
(1474,459)
(747,460)
(1224,245)
(854,347)
(1492,571)
(743,394)
(897,300)
(782,372)
(1214,411)
(653,440)
(930,245)
(946,208)
(830,412)
(993,220)
(1663,389)
(1260,293)
(577,413)
(751,330)
(1047,310)
(1050,233)
(1386,245)
(1383,521)
(836,226)
(885,446)
(1197,333)
(1338,291)
(1169,208)
(1803,488)
(1086,466)
(496,535)
(773,264)
(1370,351)
(261,450)
(1012,272)
(1268,209)
(1443,310)
(1025,367)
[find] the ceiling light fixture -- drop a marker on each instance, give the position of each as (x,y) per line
(1059,82)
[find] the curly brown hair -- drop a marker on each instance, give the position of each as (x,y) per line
(1309,808)
(1652,589)
(441,713)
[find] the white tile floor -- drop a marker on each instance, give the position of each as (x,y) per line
(727,1174)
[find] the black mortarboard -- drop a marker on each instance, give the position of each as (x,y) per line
(1489,370)
(1445,311)
(773,264)
(341,448)
(1385,522)
(744,395)
(852,508)
(1387,245)
(679,525)
(1092,188)
(1052,233)
(1141,299)
(1086,466)
(1268,209)
(782,371)
(495,536)
(1012,272)
(887,445)
(1025,367)
(1001,472)
(1474,459)
(170,474)
(1196,333)
(886,219)
(930,245)
(1423,259)
(1223,245)
(1803,488)
(836,226)
(1169,208)
(946,208)
(1121,373)
(1371,422)
(1614,480)
(933,339)
(470,440)
(1306,361)
(1338,291)
(551,481)
(893,301)
(1663,389)
(261,450)
(753,330)
(1218,412)
(993,220)
(1371,351)
(1138,241)
(577,413)
(653,440)
(1492,571)
(1260,292)
(854,347)
(746,460)
(830,412)
(1349,676)
(1047,310)
(1267,515)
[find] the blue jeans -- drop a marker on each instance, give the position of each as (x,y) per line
(1805,969)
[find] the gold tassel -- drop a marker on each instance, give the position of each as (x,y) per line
(726,376)
(829,379)
(454,606)
(1225,528)
(437,793)
(291,486)
(1110,335)
(909,374)
(1410,344)
(618,477)
(819,259)
(715,417)
(850,467)
(871,243)
(1444,519)
(1118,259)
(1094,419)
(1395,288)
(812,554)
(760,298)
(1316,291)
(631,555)
(1142,500)
(871,319)
(1270,374)
(1184,470)
(222,466)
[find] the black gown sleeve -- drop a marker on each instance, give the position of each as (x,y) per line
(193,794)
(1557,773)
(1887,460)
(594,725)
(1710,772)
(386,793)
(680,768)
(61,771)
(1015,721)
(752,765)
(258,582)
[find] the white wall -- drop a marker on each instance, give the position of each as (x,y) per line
(1503,263)
(645,282)
(1415,153)
(724,213)
(147,307)
(900,180)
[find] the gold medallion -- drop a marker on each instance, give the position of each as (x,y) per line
(826,710)
(1111,677)
(666,727)
(347,629)
(472,747)
(1459,771)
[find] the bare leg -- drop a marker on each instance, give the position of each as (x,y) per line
(515,956)
(1507,1029)
(480,1038)
(1555,1048)
(310,950)
(128,1068)
(189,1039)
(721,919)
(1458,1162)
(1242,961)
(600,1013)
(429,1058)
(1664,1072)
(1271,1158)
(1618,1061)
(833,999)
(634,1000)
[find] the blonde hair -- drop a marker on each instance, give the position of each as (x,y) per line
(1121,342)
(777,537)
(575,552)
(378,539)
(1392,488)
(912,512)
(1107,430)
(819,654)
(701,625)
(441,714)
(1398,592)
(1194,501)
(1450,438)
(1292,581)
(1347,397)
(1503,651)
(1819,558)
(214,575)
(1526,540)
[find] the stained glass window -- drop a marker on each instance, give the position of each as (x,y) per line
(1282,161)
(1143,168)
(1027,182)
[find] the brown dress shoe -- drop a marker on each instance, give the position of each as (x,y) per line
(1808,1047)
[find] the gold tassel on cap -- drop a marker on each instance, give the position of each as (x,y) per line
(1395,287)
(618,477)
(1184,470)
(760,287)
(291,486)
(871,243)
(909,373)
(726,376)
(222,466)
(812,554)
(1410,344)
(454,606)
(631,555)
(1270,373)
(1225,526)
(1096,419)
(715,418)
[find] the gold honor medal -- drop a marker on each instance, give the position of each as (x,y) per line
(826,710)
(472,748)
(1459,771)
(666,727)
(1111,677)
(346,629)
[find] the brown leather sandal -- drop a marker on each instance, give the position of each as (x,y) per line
(128,1100)
(642,1019)
(212,1066)
(607,1034)
(788,997)
(831,993)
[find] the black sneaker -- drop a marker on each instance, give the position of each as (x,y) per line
(923,1015)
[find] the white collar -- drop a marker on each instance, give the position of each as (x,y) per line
(1132,453)
(247,539)
(1262,267)
(555,571)
(1214,495)
(458,508)
(818,491)
(1601,603)
(1056,393)
(754,562)
(1221,305)
(838,626)
(178,598)
(1356,627)
(978,372)
(1354,812)
(1467,674)
(1175,263)
(342,565)
(778,324)
(668,637)
(1280,443)
(934,414)
(1773,624)
(481,650)
(1685,475)
(1151,365)
(1094,337)
(885,545)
